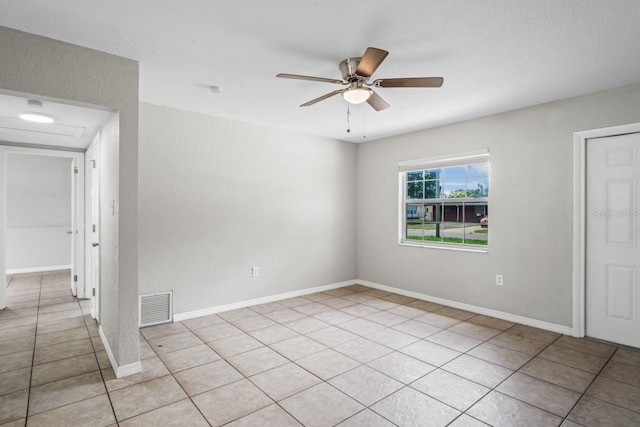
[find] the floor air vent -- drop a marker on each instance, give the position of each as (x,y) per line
(156,308)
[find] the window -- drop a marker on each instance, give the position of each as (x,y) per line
(445,201)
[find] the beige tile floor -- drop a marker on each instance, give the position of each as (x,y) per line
(353,356)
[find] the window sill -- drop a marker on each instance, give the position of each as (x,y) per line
(444,246)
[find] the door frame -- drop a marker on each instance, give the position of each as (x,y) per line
(78,265)
(580,140)
(92,201)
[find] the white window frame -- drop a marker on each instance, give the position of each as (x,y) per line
(459,159)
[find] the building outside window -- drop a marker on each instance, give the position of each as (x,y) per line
(445,201)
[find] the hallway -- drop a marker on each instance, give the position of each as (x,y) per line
(50,354)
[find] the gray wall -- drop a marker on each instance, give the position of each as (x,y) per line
(49,68)
(218,197)
(530,204)
(38,211)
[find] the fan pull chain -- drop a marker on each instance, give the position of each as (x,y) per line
(348,116)
(364,123)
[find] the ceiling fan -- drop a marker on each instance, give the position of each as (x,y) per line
(356,73)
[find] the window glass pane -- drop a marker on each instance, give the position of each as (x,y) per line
(455,190)
(455,173)
(478,186)
(414,214)
(475,235)
(477,169)
(453,213)
(432,212)
(474,212)
(415,190)
(432,189)
(414,211)
(418,231)
(429,213)
(477,223)
(452,232)
(414,229)
(432,232)
(433,174)
(415,176)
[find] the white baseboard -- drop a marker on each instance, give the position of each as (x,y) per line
(566,330)
(38,269)
(264,300)
(120,371)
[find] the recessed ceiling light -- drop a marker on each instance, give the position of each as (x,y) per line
(37,117)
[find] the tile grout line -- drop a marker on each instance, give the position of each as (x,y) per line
(545,381)
(596,375)
(33,356)
(285,357)
(513,373)
(323,381)
(360,364)
(104,383)
(456,375)
(249,379)
(610,403)
(393,350)
(174,377)
(584,393)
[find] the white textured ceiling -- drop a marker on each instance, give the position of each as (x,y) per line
(494,55)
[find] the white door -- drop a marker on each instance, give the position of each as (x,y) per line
(612,252)
(95,230)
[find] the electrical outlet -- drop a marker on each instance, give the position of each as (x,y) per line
(255,271)
(499,280)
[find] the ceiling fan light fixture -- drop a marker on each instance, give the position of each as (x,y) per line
(357,95)
(37,117)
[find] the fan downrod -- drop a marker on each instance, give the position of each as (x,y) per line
(348,69)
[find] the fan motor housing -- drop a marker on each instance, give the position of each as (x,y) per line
(348,69)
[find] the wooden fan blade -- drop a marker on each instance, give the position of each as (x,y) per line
(322,98)
(314,79)
(370,61)
(410,82)
(377,102)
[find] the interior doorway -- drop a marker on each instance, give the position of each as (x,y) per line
(63,132)
(41,230)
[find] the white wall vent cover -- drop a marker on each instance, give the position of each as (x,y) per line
(156,308)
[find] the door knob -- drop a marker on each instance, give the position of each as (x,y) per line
(69,232)
(95,244)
